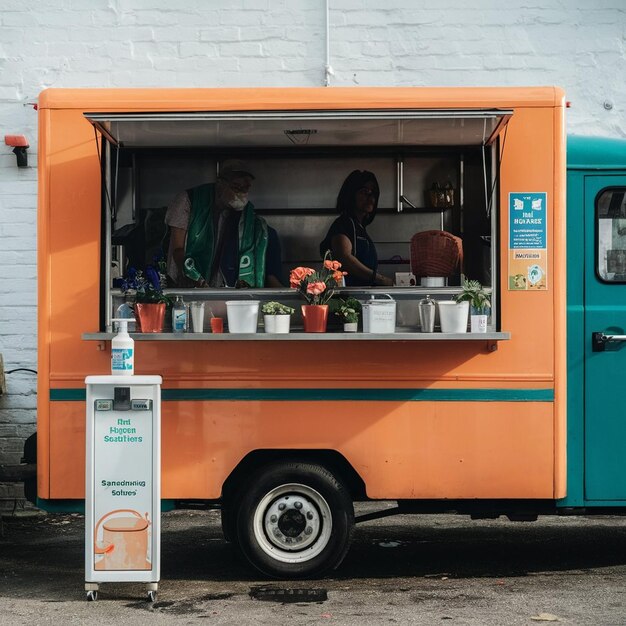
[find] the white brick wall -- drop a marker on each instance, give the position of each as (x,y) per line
(576,44)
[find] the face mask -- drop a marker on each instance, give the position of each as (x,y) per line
(238,202)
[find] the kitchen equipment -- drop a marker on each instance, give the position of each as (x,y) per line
(427,309)
(379,315)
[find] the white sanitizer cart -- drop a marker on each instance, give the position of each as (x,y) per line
(123,482)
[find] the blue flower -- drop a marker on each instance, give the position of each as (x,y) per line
(148,286)
(153,278)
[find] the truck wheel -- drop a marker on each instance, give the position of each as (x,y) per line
(295,521)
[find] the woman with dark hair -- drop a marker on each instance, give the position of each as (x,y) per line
(347,237)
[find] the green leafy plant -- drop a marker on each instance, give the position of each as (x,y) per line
(474,293)
(276,308)
(349,310)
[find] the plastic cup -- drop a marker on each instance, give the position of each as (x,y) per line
(217,325)
(197,317)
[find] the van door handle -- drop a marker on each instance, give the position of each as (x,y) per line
(599,341)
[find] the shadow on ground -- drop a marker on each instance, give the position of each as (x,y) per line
(46,553)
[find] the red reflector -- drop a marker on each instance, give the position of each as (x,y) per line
(16,141)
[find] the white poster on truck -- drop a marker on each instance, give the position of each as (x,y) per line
(528,241)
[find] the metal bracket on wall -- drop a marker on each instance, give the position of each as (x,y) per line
(3,380)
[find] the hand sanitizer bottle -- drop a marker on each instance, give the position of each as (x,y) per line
(125,310)
(122,350)
(179,316)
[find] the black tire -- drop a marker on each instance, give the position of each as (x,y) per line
(295,520)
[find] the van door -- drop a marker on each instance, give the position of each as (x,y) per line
(605,315)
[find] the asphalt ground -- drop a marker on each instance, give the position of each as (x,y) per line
(407,569)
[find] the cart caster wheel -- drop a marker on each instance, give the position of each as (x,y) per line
(152,596)
(92,596)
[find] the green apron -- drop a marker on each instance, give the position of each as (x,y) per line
(200,244)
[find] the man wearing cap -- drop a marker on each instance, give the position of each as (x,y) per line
(216,238)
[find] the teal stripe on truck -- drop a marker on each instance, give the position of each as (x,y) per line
(338,395)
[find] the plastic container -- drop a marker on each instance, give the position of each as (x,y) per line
(243,315)
(379,316)
(453,316)
(122,350)
(179,316)
(217,325)
(197,316)
(125,310)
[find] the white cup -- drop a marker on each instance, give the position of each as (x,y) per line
(197,317)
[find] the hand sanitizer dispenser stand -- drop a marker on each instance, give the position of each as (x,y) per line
(123,482)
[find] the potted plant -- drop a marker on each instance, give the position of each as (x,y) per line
(145,288)
(349,311)
(317,287)
(276,317)
(479,301)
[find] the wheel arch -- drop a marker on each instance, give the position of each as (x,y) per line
(331,460)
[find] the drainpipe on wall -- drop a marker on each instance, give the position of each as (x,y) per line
(328,67)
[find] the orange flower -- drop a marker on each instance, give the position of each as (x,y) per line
(316,288)
(298,274)
(338,275)
(332,265)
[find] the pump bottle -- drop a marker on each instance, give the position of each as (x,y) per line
(179,316)
(122,350)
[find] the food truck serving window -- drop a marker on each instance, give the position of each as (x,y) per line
(437,170)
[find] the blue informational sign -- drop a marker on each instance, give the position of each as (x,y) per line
(527,221)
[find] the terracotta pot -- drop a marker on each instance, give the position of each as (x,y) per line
(150,316)
(315,317)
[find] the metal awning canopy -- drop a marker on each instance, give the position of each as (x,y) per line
(283,129)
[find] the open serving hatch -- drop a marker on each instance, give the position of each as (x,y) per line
(300,158)
(275,129)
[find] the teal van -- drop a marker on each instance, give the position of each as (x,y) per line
(596,324)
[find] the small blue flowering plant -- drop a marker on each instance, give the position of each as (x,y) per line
(147,285)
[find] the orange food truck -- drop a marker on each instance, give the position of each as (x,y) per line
(286,431)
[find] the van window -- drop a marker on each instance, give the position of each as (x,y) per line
(611,235)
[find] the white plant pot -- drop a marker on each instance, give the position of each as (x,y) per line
(242,315)
(350,327)
(478,323)
(453,316)
(277,324)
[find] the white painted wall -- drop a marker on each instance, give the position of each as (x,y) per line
(576,44)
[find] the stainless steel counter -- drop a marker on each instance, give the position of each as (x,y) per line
(300,336)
